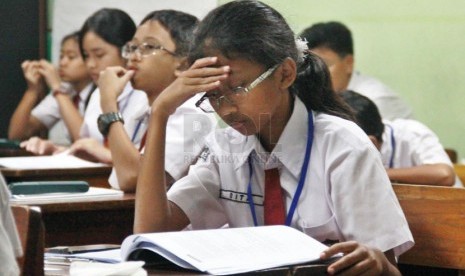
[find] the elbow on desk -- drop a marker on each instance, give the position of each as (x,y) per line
(127,182)
(446,175)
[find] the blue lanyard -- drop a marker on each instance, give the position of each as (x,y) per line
(136,130)
(122,107)
(393,147)
(300,186)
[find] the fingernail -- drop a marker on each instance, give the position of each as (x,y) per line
(226,68)
(214,58)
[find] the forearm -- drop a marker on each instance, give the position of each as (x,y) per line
(434,174)
(22,123)
(126,158)
(70,115)
(152,206)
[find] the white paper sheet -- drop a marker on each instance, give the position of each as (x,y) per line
(59,161)
(69,197)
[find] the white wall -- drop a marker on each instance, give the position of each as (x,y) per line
(68,16)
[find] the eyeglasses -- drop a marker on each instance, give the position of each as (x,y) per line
(231,96)
(142,50)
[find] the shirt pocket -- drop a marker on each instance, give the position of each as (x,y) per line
(324,232)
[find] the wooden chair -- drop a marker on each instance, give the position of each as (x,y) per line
(436,217)
(452,154)
(31,233)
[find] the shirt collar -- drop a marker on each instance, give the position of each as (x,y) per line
(291,145)
(84,93)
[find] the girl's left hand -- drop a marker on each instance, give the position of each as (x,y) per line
(50,74)
(200,77)
(357,259)
(39,146)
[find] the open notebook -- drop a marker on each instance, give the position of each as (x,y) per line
(224,251)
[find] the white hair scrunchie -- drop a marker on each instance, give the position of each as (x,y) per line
(302,49)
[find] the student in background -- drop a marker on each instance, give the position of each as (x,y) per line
(332,41)
(157,50)
(70,87)
(10,245)
(101,38)
(410,151)
(286,124)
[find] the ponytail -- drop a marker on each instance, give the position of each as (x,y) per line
(313,87)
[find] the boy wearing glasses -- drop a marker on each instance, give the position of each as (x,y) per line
(154,55)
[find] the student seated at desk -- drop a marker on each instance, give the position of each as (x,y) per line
(10,245)
(286,125)
(332,41)
(410,151)
(101,38)
(158,48)
(64,107)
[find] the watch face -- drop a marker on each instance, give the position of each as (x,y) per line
(105,120)
(102,124)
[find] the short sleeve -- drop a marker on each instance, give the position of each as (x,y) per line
(47,111)
(365,205)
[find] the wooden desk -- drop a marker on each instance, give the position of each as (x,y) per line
(300,270)
(87,221)
(96,177)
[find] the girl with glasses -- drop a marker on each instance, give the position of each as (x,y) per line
(62,110)
(158,48)
(290,156)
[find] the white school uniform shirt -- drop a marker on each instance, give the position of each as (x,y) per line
(10,245)
(389,104)
(347,194)
(415,145)
(131,104)
(186,131)
(48,113)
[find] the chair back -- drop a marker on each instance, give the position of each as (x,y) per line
(31,233)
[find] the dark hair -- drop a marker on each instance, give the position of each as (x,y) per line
(366,113)
(180,25)
(74,36)
(254,31)
(333,35)
(113,25)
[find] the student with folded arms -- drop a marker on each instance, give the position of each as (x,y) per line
(157,50)
(410,151)
(286,125)
(101,38)
(70,87)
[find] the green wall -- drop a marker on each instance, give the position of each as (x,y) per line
(416,47)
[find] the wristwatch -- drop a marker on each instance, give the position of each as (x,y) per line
(105,120)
